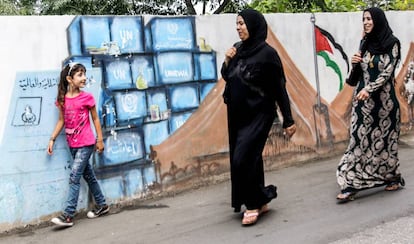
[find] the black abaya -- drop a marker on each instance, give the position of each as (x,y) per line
(255,81)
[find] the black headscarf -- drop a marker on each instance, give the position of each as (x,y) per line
(257,28)
(380,40)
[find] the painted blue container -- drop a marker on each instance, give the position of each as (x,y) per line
(95,33)
(108,114)
(183,97)
(206,68)
(142,68)
(130,105)
(117,73)
(205,88)
(112,188)
(172,33)
(155,133)
(138,179)
(157,104)
(127,32)
(149,174)
(73,33)
(121,147)
(134,182)
(174,67)
(178,119)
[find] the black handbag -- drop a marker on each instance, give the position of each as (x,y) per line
(355,76)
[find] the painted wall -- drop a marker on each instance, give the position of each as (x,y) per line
(157,85)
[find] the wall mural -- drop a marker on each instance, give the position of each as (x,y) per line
(154,78)
(147,81)
(164,121)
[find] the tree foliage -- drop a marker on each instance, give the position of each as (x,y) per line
(189,7)
(119,7)
(81,7)
(300,6)
(18,7)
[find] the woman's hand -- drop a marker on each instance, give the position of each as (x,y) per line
(229,55)
(289,131)
(362,95)
(356,58)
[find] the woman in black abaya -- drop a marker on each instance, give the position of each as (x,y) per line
(255,81)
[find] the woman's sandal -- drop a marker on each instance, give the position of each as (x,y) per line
(250,217)
(395,185)
(392,187)
(346,196)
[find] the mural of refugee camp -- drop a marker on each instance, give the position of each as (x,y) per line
(157,84)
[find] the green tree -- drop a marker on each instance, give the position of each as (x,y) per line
(345,5)
(189,7)
(8,8)
(288,6)
(299,6)
(18,7)
(82,7)
(119,7)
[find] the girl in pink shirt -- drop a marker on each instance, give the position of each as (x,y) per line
(75,106)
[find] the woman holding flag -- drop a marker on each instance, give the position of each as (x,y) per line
(371,159)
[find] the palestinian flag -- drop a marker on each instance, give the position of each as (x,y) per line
(323,48)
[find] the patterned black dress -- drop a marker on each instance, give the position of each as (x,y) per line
(371,158)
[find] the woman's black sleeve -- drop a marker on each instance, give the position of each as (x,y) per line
(355,75)
(224,71)
(281,94)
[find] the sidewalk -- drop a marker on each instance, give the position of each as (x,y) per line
(306,211)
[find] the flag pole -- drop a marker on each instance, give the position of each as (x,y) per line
(318,93)
(319,108)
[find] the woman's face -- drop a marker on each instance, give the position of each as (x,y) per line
(367,22)
(242,29)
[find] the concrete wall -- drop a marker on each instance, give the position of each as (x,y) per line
(33,50)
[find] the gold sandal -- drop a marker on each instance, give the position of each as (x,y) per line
(250,217)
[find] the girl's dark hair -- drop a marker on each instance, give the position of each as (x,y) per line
(69,70)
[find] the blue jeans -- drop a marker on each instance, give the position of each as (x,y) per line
(82,167)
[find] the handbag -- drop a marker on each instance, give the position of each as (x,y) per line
(355,76)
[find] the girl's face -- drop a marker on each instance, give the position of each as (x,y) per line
(242,29)
(78,80)
(367,22)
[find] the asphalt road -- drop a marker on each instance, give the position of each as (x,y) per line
(305,211)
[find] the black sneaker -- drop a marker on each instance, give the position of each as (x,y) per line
(63,220)
(99,211)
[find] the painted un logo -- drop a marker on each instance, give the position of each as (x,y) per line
(172,28)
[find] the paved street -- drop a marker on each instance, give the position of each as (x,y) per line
(306,211)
